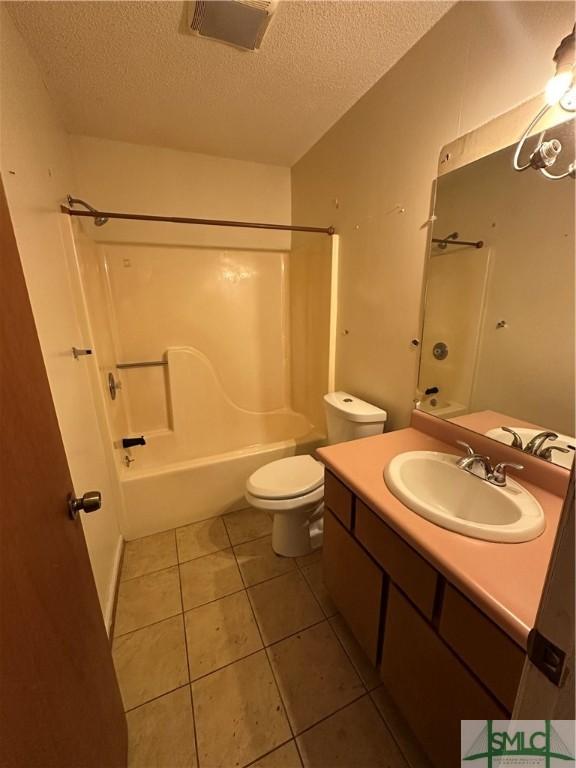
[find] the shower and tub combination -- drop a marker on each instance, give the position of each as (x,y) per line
(218,357)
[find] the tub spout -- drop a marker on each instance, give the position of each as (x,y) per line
(130,442)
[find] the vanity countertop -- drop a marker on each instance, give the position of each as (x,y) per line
(504,580)
(482,421)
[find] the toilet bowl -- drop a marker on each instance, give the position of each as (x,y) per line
(292,489)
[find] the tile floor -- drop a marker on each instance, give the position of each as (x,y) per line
(228,656)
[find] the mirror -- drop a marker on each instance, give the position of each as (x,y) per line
(498,342)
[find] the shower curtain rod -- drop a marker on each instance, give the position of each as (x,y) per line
(102,216)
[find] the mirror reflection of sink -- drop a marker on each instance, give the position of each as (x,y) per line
(432,485)
(445,409)
(564,441)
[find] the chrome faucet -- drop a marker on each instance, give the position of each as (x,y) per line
(536,445)
(494,475)
(472,458)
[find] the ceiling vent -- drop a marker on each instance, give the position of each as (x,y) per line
(241,23)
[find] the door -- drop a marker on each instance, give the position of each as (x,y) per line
(60,704)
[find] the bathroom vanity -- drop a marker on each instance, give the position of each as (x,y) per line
(444,617)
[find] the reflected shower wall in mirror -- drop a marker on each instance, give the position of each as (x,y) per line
(498,343)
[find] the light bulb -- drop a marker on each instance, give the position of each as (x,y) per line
(557,86)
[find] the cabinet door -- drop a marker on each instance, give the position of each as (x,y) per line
(355,584)
(404,566)
(430,686)
(482,646)
(339,499)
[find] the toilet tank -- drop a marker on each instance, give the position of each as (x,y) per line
(349,418)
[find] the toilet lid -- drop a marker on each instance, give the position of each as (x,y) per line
(286,478)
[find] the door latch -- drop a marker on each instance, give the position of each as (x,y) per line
(546,656)
(77,352)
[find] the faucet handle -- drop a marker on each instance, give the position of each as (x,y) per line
(546,453)
(469,450)
(499,474)
(516,439)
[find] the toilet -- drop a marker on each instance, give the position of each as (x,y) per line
(292,489)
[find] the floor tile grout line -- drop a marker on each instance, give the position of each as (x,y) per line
(222,549)
(148,573)
(261,757)
(351,660)
(392,733)
(277,684)
(155,698)
(225,666)
(195,738)
(221,597)
(215,600)
(296,735)
(147,626)
(315,596)
(341,644)
(327,717)
(279,576)
(292,634)
(270,667)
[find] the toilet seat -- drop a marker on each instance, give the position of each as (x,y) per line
(293,478)
(306,501)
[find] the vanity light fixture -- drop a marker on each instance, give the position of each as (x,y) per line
(560,90)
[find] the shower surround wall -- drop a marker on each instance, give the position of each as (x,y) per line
(219,306)
(228,305)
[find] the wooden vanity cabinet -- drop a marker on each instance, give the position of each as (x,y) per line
(430,686)
(339,499)
(355,585)
(482,645)
(412,573)
(440,657)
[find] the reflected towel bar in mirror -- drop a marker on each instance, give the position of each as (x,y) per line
(443,242)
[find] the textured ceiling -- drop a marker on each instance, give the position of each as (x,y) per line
(129,71)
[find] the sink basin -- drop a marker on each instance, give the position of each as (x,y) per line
(564,441)
(430,484)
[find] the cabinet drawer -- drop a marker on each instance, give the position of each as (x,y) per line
(430,686)
(404,566)
(354,583)
(482,645)
(339,499)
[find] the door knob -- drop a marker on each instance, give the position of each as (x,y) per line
(89,502)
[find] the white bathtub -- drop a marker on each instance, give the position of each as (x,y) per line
(164,489)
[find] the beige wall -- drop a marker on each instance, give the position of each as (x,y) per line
(371,176)
(118,176)
(36,171)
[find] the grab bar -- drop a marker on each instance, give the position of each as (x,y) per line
(146,364)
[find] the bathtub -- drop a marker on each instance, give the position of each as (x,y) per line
(164,488)
(198,467)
